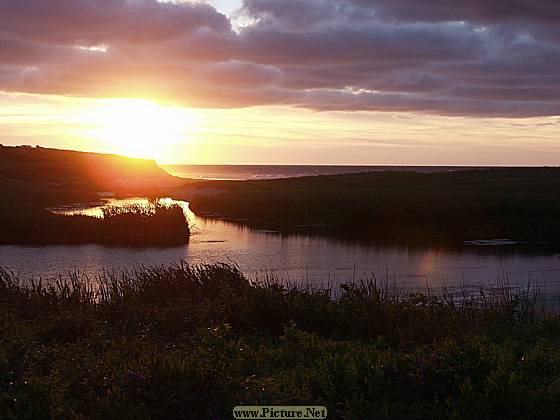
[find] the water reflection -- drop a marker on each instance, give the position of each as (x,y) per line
(298,258)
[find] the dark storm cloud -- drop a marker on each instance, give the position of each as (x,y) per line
(451,57)
(378,44)
(485,11)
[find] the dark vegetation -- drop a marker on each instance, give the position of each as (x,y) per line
(135,225)
(193,342)
(32,179)
(449,207)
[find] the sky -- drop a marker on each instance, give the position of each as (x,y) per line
(397,82)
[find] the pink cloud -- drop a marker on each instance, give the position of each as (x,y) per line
(497,58)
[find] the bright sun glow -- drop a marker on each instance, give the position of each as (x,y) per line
(139,128)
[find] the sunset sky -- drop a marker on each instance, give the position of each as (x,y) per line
(458,82)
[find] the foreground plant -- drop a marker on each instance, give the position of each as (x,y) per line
(193,342)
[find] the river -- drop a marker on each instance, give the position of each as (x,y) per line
(302,259)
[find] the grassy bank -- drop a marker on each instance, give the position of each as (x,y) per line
(136,225)
(192,342)
(447,207)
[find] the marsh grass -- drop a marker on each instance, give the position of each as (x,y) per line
(397,207)
(153,224)
(193,341)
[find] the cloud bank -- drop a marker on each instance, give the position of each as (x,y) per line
(449,57)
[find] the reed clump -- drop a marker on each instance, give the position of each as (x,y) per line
(137,224)
(153,224)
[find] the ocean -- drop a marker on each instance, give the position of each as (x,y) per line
(255,172)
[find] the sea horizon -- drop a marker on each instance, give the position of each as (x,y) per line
(280,171)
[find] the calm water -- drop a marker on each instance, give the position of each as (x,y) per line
(298,258)
(242,172)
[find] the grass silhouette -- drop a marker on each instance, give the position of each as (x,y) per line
(193,342)
(134,225)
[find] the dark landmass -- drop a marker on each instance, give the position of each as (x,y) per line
(33,179)
(194,342)
(67,171)
(522,204)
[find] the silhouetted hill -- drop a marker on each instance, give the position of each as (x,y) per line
(65,169)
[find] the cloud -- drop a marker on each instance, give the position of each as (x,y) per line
(481,11)
(447,57)
(90,22)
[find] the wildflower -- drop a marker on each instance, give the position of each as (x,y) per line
(136,376)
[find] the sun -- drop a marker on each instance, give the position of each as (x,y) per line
(139,128)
